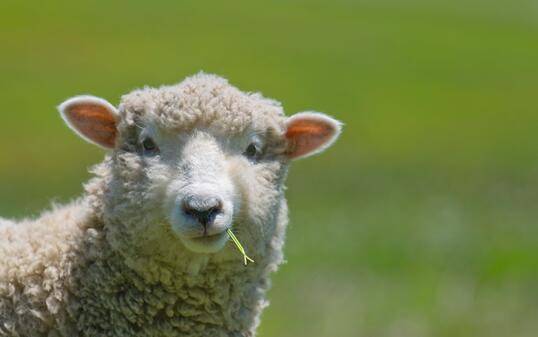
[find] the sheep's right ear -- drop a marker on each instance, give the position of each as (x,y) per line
(92,118)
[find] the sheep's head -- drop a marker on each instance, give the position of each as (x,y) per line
(190,161)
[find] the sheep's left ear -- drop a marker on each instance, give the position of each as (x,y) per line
(310,133)
(92,118)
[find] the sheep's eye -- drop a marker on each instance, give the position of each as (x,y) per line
(149,147)
(251,152)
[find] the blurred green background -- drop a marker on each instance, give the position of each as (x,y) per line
(420,221)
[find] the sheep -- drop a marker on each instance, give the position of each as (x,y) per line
(143,252)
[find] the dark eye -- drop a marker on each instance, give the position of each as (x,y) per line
(149,147)
(251,152)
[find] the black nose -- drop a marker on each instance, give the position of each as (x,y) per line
(202,210)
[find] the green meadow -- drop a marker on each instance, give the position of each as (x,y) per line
(422,221)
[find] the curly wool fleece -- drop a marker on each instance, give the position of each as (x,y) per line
(104,266)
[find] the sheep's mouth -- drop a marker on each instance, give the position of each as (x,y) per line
(208,237)
(206,243)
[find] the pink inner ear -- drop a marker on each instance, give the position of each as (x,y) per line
(93,121)
(307,135)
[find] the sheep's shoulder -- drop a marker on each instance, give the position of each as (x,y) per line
(37,257)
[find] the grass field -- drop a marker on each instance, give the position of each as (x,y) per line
(421,221)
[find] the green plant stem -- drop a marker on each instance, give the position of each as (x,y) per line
(232,236)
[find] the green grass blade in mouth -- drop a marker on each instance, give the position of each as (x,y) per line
(232,236)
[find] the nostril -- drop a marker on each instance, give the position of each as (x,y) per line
(203,211)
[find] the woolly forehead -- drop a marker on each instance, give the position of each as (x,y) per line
(222,109)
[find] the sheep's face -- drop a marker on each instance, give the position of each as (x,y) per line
(200,182)
(193,160)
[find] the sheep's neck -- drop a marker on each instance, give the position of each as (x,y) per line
(155,300)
